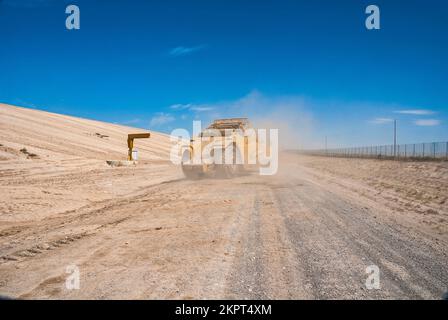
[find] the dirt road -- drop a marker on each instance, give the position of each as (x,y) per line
(293,235)
(146,232)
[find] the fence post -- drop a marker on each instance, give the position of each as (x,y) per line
(434,147)
(405,150)
(413,153)
(423,149)
(446,151)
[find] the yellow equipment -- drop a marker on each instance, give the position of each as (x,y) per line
(131,138)
(222,135)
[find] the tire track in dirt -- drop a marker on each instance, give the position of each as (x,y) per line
(409,266)
(337,239)
(266,266)
(49,233)
(249,237)
(165,264)
(248,273)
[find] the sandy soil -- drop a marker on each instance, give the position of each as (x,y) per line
(414,190)
(145,232)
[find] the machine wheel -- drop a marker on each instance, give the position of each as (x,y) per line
(230,170)
(191,171)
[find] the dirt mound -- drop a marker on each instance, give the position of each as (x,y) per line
(56,137)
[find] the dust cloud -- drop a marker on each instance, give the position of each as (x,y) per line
(291,115)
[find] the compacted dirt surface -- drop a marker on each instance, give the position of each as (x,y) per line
(146,232)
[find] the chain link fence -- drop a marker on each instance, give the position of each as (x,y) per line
(429,150)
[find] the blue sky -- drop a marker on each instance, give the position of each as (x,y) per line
(310,65)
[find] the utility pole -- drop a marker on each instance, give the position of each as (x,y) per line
(395,138)
(325,145)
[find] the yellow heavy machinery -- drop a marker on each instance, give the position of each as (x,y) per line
(224,150)
(131,138)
